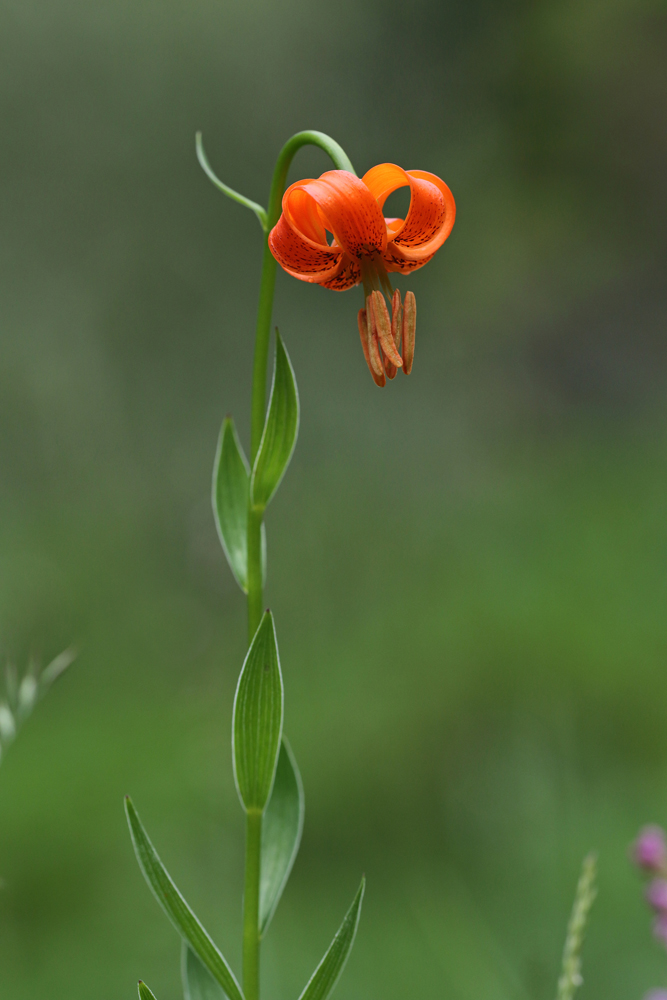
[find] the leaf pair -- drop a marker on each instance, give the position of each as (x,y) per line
(268,783)
(235,487)
(206,974)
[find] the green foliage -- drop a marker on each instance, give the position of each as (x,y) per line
(328,972)
(176,908)
(280,430)
(570,977)
(230,497)
(22,696)
(231,490)
(281,833)
(258,718)
(144,992)
(198,983)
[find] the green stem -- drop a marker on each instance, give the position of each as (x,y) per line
(262,337)
(251,935)
(255,609)
(251,906)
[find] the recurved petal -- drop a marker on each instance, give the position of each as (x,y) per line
(384,179)
(430,218)
(301,258)
(302,213)
(431,214)
(346,208)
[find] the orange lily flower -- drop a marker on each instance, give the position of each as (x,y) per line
(364,246)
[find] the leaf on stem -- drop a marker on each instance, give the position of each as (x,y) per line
(144,992)
(176,908)
(281,834)
(230,192)
(231,485)
(198,983)
(280,430)
(328,972)
(258,718)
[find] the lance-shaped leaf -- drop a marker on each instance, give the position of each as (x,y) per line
(144,992)
(230,494)
(281,833)
(176,908)
(231,486)
(280,430)
(258,718)
(198,983)
(328,972)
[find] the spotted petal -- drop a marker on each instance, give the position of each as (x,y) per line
(348,276)
(300,257)
(430,217)
(341,203)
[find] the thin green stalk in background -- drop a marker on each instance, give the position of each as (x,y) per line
(570,977)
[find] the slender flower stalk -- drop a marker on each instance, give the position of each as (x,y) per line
(364,247)
(251,929)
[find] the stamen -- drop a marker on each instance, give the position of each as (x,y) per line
(389,369)
(396,318)
(363,333)
(374,356)
(382,327)
(408,331)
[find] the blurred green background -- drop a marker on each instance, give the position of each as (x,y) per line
(468,569)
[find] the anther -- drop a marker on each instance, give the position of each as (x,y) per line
(408,331)
(369,346)
(382,327)
(396,318)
